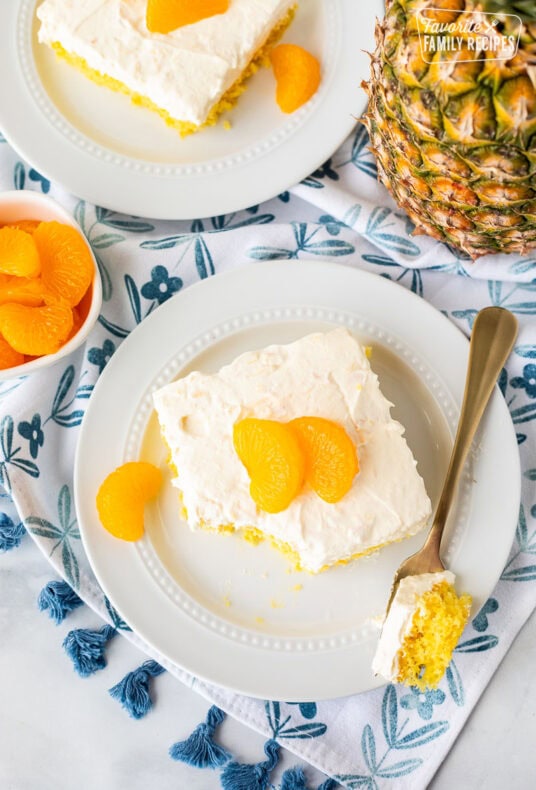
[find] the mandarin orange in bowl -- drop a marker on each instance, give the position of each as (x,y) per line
(50,286)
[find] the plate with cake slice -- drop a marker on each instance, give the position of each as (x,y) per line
(301,429)
(182,118)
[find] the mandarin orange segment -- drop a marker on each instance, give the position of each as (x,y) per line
(77,323)
(35,330)
(24,290)
(297,74)
(28,225)
(331,458)
(66,263)
(271,453)
(18,253)
(9,358)
(163,16)
(84,305)
(122,497)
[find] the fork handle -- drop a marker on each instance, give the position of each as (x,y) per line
(492,339)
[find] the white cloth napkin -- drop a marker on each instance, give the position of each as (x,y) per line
(391,737)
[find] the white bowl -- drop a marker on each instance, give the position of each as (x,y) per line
(23,204)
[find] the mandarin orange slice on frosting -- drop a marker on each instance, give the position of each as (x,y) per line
(273,459)
(331,458)
(164,16)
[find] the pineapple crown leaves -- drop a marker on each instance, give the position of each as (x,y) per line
(526,9)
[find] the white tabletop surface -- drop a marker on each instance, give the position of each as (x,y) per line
(59,732)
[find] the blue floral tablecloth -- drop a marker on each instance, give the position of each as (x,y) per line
(391,737)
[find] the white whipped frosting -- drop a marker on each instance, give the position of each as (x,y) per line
(398,622)
(185,72)
(325,375)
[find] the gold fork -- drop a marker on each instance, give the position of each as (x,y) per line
(492,339)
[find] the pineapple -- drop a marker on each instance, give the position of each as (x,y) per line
(454,132)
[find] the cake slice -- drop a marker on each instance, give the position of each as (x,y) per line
(324,375)
(189,76)
(424,623)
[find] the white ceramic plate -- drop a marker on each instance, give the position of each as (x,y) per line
(233,613)
(102,148)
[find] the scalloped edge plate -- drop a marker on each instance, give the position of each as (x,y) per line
(173,587)
(107,151)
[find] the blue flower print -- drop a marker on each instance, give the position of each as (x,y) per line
(283,727)
(423,701)
(161,286)
(503,381)
(35,176)
(332,225)
(33,433)
(480,622)
(61,535)
(527,381)
(326,171)
(307,709)
(101,356)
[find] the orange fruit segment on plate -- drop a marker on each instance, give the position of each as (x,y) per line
(271,453)
(122,497)
(24,290)
(163,16)
(18,253)
(297,74)
(35,330)
(9,358)
(331,457)
(66,262)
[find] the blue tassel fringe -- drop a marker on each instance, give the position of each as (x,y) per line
(329,784)
(59,599)
(11,534)
(236,776)
(200,750)
(293,779)
(133,691)
(86,648)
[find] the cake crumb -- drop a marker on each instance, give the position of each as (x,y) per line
(227,587)
(297,587)
(227,125)
(276,604)
(259,620)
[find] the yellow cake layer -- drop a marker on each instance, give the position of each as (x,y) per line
(435,630)
(227,102)
(255,536)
